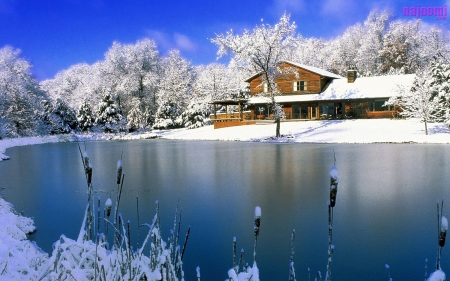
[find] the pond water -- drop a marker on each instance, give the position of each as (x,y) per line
(385,211)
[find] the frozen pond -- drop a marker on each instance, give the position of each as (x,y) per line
(385,211)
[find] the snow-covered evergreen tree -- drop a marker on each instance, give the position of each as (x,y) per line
(168,116)
(109,118)
(439,82)
(196,115)
(59,117)
(139,117)
(85,116)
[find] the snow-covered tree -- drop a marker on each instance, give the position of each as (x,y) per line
(419,101)
(108,116)
(440,87)
(132,71)
(401,47)
(168,116)
(139,116)
(368,59)
(59,117)
(174,90)
(196,115)
(20,95)
(85,116)
(260,51)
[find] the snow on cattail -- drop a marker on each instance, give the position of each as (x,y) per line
(334,179)
(198,272)
(119,170)
(438,275)
(443,232)
(257,220)
(108,206)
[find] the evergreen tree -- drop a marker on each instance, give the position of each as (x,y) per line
(85,116)
(109,118)
(59,118)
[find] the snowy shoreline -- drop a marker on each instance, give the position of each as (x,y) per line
(326,131)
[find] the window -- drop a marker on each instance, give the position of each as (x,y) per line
(300,86)
(266,88)
(378,105)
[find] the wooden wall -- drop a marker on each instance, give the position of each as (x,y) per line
(284,82)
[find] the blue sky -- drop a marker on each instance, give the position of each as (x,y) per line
(53,35)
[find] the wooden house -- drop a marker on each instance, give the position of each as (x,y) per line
(314,93)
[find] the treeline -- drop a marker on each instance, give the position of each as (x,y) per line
(135,88)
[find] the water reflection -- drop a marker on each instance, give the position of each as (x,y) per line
(385,211)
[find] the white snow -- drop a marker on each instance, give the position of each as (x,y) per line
(257,212)
(334,173)
(438,275)
(324,131)
(444,224)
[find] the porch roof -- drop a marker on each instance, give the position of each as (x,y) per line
(340,89)
(229,102)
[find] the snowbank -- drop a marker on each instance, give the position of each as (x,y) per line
(20,259)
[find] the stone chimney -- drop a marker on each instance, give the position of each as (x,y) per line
(351,76)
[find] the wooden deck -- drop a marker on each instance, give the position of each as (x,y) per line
(223,120)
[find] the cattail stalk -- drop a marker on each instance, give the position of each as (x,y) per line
(242,261)
(256,230)
(442,232)
(334,179)
(291,264)
(236,268)
(185,242)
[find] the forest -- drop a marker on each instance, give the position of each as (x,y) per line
(135,88)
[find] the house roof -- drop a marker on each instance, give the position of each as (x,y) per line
(316,70)
(340,89)
(313,69)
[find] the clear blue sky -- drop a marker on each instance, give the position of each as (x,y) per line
(53,35)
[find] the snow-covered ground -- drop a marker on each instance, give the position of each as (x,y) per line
(327,131)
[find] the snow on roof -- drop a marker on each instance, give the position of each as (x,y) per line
(366,87)
(340,89)
(316,70)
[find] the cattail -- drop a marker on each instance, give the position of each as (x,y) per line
(108,207)
(256,229)
(236,268)
(198,273)
(119,170)
(443,232)
(334,178)
(86,159)
(257,220)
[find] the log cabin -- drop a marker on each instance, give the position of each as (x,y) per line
(311,93)
(315,94)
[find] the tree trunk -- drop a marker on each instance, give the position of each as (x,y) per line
(426,128)
(277,120)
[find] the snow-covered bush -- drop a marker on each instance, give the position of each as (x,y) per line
(109,118)
(59,117)
(7,130)
(196,116)
(168,116)
(85,116)
(139,117)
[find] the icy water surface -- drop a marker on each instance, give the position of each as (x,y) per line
(385,211)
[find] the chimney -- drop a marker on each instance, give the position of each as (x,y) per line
(351,76)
